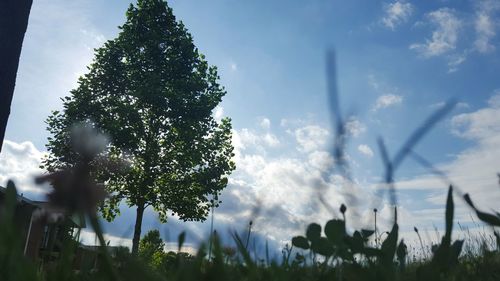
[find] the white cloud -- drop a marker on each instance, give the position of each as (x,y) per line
(385,101)
(388,94)
(444,37)
(485,30)
(365,150)
(88,237)
(321,160)
(455,60)
(285,188)
(218,113)
(485,25)
(354,127)
(284,122)
(20,162)
(494,101)
(265,123)
(249,139)
(396,13)
(373,82)
(234,66)
(271,140)
(480,125)
(292,184)
(311,137)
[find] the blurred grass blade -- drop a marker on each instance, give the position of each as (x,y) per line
(419,133)
(490,219)
(388,179)
(426,164)
(267,253)
(331,72)
(181,239)
(450,208)
(401,253)
(390,243)
(243,251)
(456,249)
(383,152)
(10,202)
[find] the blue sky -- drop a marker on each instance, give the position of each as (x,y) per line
(397,62)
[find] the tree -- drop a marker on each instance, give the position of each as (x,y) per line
(153,94)
(151,247)
(14,16)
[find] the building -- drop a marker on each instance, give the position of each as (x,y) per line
(40,240)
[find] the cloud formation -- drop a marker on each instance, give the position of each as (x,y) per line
(396,13)
(265,123)
(485,26)
(354,127)
(445,35)
(385,101)
(250,139)
(218,113)
(311,137)
(20,163)
(455,60)
(388,94)
(481,125)
(365,150)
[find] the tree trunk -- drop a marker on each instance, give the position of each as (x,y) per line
(14,16)
(137,229)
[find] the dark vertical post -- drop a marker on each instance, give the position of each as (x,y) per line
(14,16)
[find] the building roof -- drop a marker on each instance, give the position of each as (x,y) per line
(76,219)
(20,198)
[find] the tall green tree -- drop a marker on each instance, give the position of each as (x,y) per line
(153,94)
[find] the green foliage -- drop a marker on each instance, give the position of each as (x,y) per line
(153,94)
(151,247)
(335,231)
(337,243)
(300,242)
(313,232)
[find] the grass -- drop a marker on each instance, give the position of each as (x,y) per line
(327,253)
